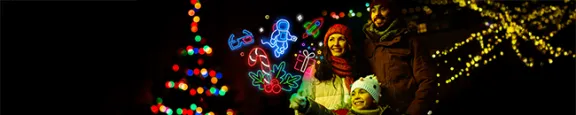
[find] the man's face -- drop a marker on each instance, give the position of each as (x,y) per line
(379,15)
(337,43)
(361,99)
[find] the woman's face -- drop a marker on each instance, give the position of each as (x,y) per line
(337,43)
(379,15)
(361,99)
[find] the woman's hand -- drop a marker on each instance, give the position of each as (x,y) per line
(297,101)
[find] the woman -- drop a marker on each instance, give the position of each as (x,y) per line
(329,83)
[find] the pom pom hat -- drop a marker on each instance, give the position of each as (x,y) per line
(370,84)
(340,29)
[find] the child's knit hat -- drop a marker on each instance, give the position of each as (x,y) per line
(370,84)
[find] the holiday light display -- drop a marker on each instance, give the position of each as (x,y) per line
(511,25)
(304,60)
(245,40)
(259,55)
(198,82)
(281,80)
(313,27)
(280,37)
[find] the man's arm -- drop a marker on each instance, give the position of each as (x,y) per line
(424,75)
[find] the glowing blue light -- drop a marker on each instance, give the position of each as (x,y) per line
(205,74)
(196,51)
(237,43)
(198,113)
(219,75)
(216,92)
(367,4)
(280,37)
(189,72)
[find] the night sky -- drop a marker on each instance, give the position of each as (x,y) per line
(103,57)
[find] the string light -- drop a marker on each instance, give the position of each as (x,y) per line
(514,26)
(511,27)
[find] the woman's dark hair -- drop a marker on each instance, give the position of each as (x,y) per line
(324,69)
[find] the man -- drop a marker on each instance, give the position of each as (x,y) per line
(398,61)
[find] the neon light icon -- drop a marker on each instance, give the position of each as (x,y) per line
(281,80)
(280,37)
(237,43)
(258,54)
(305,60)
(313,27)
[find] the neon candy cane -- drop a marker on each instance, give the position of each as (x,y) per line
(258,54)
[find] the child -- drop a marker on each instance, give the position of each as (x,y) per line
(364,100)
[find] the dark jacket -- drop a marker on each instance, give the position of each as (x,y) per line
(314,108)
(402,68)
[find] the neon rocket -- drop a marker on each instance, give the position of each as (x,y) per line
(313,27)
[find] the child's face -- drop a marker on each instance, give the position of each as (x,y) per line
(361,99)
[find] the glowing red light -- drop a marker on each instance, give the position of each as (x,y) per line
(208,93)
(192,91)
(342,14)
(201,51)
(189,47)
(194,24)
(196,71)
(175,67)
(154,109)
(332,14)
(193,1)
(200,61)
(212,73)
(203,41)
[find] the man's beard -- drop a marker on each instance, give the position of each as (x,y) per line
(380,25)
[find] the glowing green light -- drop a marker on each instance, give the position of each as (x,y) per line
(169,111)
(198,38)
(212,90)
(222,92)
(351,11)
(183,52)
(367,4)
(179,111)
(159,100)
(193,106)
(206,48)
(171,84)
(359,14)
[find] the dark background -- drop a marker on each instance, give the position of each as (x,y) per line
(104,58)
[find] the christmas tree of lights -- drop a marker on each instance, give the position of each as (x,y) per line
(194,87)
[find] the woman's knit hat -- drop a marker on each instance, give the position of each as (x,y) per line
(341,29)
(370,84)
